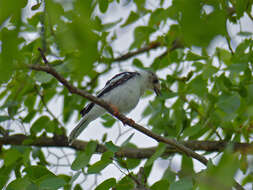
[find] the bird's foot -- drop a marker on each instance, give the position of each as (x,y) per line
(115,110)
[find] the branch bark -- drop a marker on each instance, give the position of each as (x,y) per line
(139,153)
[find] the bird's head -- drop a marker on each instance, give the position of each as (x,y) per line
(152,82)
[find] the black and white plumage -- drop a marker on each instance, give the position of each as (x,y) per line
(122,91)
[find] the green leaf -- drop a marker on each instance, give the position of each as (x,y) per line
(108,120)
(107,184)
(112,147)
(51,182)
(42,77)
(98,166)
(229,103)
(133,17)
(160,185)
(42,123)
(199,28)
(157,16)
(127,140)
(159,151)
(182,184)
(36,172)
(141,35)
(110,25)
(4,175)
(222,174)
(103,5)
(75,176)
(138,63)
(11,156)
(83,158)
(35,7)
(4,118)
(241,7)
(9,52)
(105,160)
(9,8)
(194,57)
(125,183)
(169,175)
(19,184)
(187,166)
(198,86)
(81,161)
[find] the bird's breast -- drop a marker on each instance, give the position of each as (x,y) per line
(125,98)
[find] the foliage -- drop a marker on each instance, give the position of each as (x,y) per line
(207,88)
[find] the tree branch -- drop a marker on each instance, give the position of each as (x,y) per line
(139,153)
(152,45)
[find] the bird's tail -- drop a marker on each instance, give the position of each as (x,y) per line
(78,129)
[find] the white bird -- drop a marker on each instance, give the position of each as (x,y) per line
(123,91)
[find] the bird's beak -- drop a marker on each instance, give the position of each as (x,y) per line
(157,89)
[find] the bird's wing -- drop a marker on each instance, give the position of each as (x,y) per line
(117,80)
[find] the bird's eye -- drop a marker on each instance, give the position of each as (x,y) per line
(155,81)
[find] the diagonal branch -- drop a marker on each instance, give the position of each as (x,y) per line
(152,45)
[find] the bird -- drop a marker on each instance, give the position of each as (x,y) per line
(123,92)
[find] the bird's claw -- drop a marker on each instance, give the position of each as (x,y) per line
(125,121)
(115,110)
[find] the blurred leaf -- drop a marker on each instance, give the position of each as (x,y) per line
(9,51)
(36,172)
(108,120)
(159,151)
(107,184)
(194,57)
(42,123)
(158,16)
(240,7)
(125,183)
(103,5)
(127,140)
(182,184)
(112,147)
(84,157)
(133,17)
(9,8)
(229,103)
(160,185)
(51,182)
(98,166)
(4,175)
(141,35)
(19,184)
(43,77)
(222,175)
(4,118)
(169,175)
(11,156)
(35,7)
(199,28)
(129,163)
(198,86)
(187,166)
